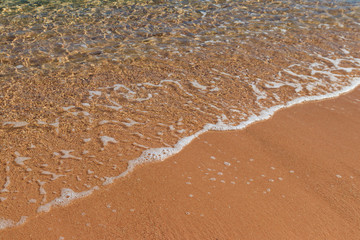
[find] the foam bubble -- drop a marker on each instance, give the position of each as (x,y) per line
(20,160)
(106,139)
(67,195)
(6,184)
(66,154)
(6,223)
(197,85)
(15,124)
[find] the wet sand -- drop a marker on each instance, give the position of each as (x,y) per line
(295,176)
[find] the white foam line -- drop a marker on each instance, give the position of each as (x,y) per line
(160,154)
(67,196)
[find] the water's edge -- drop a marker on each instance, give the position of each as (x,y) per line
(161,154)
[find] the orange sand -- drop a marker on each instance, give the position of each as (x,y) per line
(295,176)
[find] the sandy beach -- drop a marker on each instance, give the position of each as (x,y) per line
(155,119)
(295,176)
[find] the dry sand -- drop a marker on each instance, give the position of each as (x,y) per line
(295,176)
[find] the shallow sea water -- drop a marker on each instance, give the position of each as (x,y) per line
(87,86)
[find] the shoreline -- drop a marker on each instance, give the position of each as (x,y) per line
(234,199)
(161,154)
(172,120)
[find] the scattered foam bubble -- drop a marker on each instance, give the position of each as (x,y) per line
(197,85)
(94,93)
(6,184)
(130,123)
(15,124)
(41,187)
(68,108)
(53,175)
(66,155)
(20,160)
(106,139)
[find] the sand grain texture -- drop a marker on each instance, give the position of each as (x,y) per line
(295,176)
